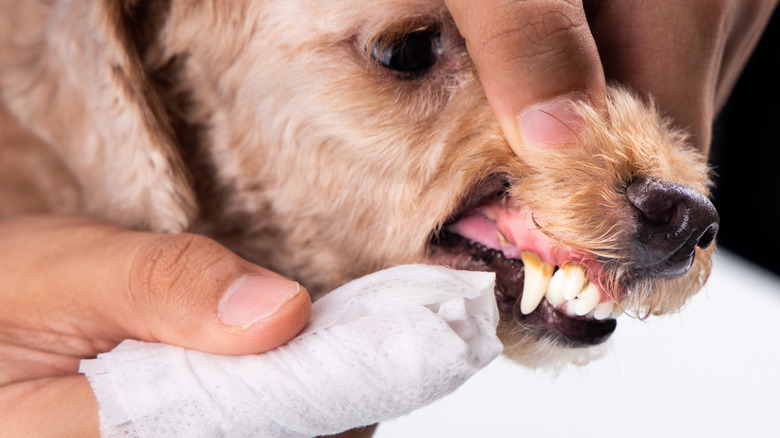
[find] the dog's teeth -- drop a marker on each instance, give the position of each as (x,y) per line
(568,308)
(502,239)
(537,278)
(618,310)
(555,289)
(573,281)
(587,300)
(603,310)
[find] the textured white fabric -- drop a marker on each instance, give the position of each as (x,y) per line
(375,349)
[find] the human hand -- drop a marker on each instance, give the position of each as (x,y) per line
(538,54)
(73,288)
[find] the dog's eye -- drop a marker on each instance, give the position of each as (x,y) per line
(413,53)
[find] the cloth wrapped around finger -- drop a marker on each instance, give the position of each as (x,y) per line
(375,349)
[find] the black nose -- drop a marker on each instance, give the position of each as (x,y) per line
(673,221)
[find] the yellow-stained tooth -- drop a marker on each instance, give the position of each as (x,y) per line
(587,300)
(502,239)
(537,278)
(575,280)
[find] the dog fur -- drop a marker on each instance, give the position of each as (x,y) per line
(268,126)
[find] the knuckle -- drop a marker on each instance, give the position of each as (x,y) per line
(546,23)
(531,30)
(552,31)
(169,271)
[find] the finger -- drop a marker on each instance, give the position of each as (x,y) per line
(746,26)
(532,57)
(675,66)
(97,284)
(686,54)
(54,407)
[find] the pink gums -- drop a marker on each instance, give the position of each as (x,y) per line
(483,223)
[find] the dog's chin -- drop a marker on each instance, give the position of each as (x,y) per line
(473,240)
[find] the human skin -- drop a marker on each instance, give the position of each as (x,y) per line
(74,287)
(535,55)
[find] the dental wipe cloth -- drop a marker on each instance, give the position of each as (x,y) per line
(375,349)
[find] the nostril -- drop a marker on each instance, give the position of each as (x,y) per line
(672,221)
(659,201)
(662,216)
(708,236)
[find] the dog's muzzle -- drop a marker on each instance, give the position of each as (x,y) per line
(672,220)
(563,292)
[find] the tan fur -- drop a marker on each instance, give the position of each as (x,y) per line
(266,125)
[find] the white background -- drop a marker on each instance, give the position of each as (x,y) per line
(713,370)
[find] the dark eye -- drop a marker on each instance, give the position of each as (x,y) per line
(413,53)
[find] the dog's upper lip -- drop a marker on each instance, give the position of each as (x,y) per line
(473,239)
(489,188)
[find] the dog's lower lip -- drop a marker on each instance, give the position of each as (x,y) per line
(571,331)
(457,252)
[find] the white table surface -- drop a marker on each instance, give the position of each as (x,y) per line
(713,370)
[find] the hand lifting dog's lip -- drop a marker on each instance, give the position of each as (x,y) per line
(328,140)
(558,290)
(566,293)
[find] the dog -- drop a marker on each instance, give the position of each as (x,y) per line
(328,140)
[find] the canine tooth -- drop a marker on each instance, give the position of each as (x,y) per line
(603,310)
(537,278)
(587,300)
(574,280)
(502,238)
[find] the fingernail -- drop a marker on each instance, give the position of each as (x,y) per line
(255,297)
(553,124)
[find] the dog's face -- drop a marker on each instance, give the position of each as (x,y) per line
(327,140)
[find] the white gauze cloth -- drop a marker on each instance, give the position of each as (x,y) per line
(376,348)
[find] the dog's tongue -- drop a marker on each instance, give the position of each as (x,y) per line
(512,232)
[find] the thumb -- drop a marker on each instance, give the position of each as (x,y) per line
(192,292)
(533,57)
(103,284)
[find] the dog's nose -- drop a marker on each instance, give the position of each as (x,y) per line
(673,221)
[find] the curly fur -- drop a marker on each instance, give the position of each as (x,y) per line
(267,126)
